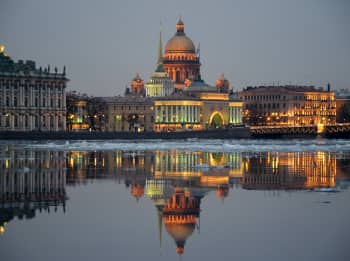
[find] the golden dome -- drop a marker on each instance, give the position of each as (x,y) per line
(180,43)
(180,232)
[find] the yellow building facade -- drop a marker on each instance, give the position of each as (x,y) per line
(288,105)
(208,111)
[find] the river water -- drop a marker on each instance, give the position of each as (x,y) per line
(165,200)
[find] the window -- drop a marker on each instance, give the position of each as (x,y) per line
(52,120)
(26,101)
(7,121)
(7,101)
(15,119)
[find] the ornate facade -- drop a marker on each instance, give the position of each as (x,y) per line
(181,60)
(206,111)
(288,105)
(31,98)
(198,106)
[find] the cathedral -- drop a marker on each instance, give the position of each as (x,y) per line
(175,98)
(181,59)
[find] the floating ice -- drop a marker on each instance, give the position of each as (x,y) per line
(217,145)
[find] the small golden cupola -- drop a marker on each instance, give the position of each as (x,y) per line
(137,86)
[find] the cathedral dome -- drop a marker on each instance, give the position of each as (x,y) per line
(180,43)
(180,232)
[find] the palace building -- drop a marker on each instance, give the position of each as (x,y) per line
(31,98)
(288,105)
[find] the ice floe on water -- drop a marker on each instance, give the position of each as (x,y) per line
(244,145)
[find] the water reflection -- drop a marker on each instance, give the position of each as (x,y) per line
(30,181)
(175,181)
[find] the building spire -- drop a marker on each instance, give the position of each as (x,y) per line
(160,67)
(160,48)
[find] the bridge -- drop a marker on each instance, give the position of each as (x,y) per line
(341,130)
(309,130)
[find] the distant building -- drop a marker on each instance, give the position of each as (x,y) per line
(31,98)
(159,84)
(137,86)
(77,115)
(181,59)
(85,113)
(195,105)
(206,110)
(288,105)
(129,113)
(343,106)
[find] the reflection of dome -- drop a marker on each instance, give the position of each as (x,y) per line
(180,232)
(180,42)
(180,216)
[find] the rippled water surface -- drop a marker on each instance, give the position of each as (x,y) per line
(165,200)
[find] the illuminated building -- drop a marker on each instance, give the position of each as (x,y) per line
(208,110)
(159,84)
(181,60)
(288,105)
(31,98)
(198,106)
(129,113)
(77,118)
(343,106)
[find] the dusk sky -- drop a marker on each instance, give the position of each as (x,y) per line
(104,43)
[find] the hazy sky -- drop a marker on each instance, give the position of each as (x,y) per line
(104,43)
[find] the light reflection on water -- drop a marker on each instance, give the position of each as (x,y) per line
(177,182)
